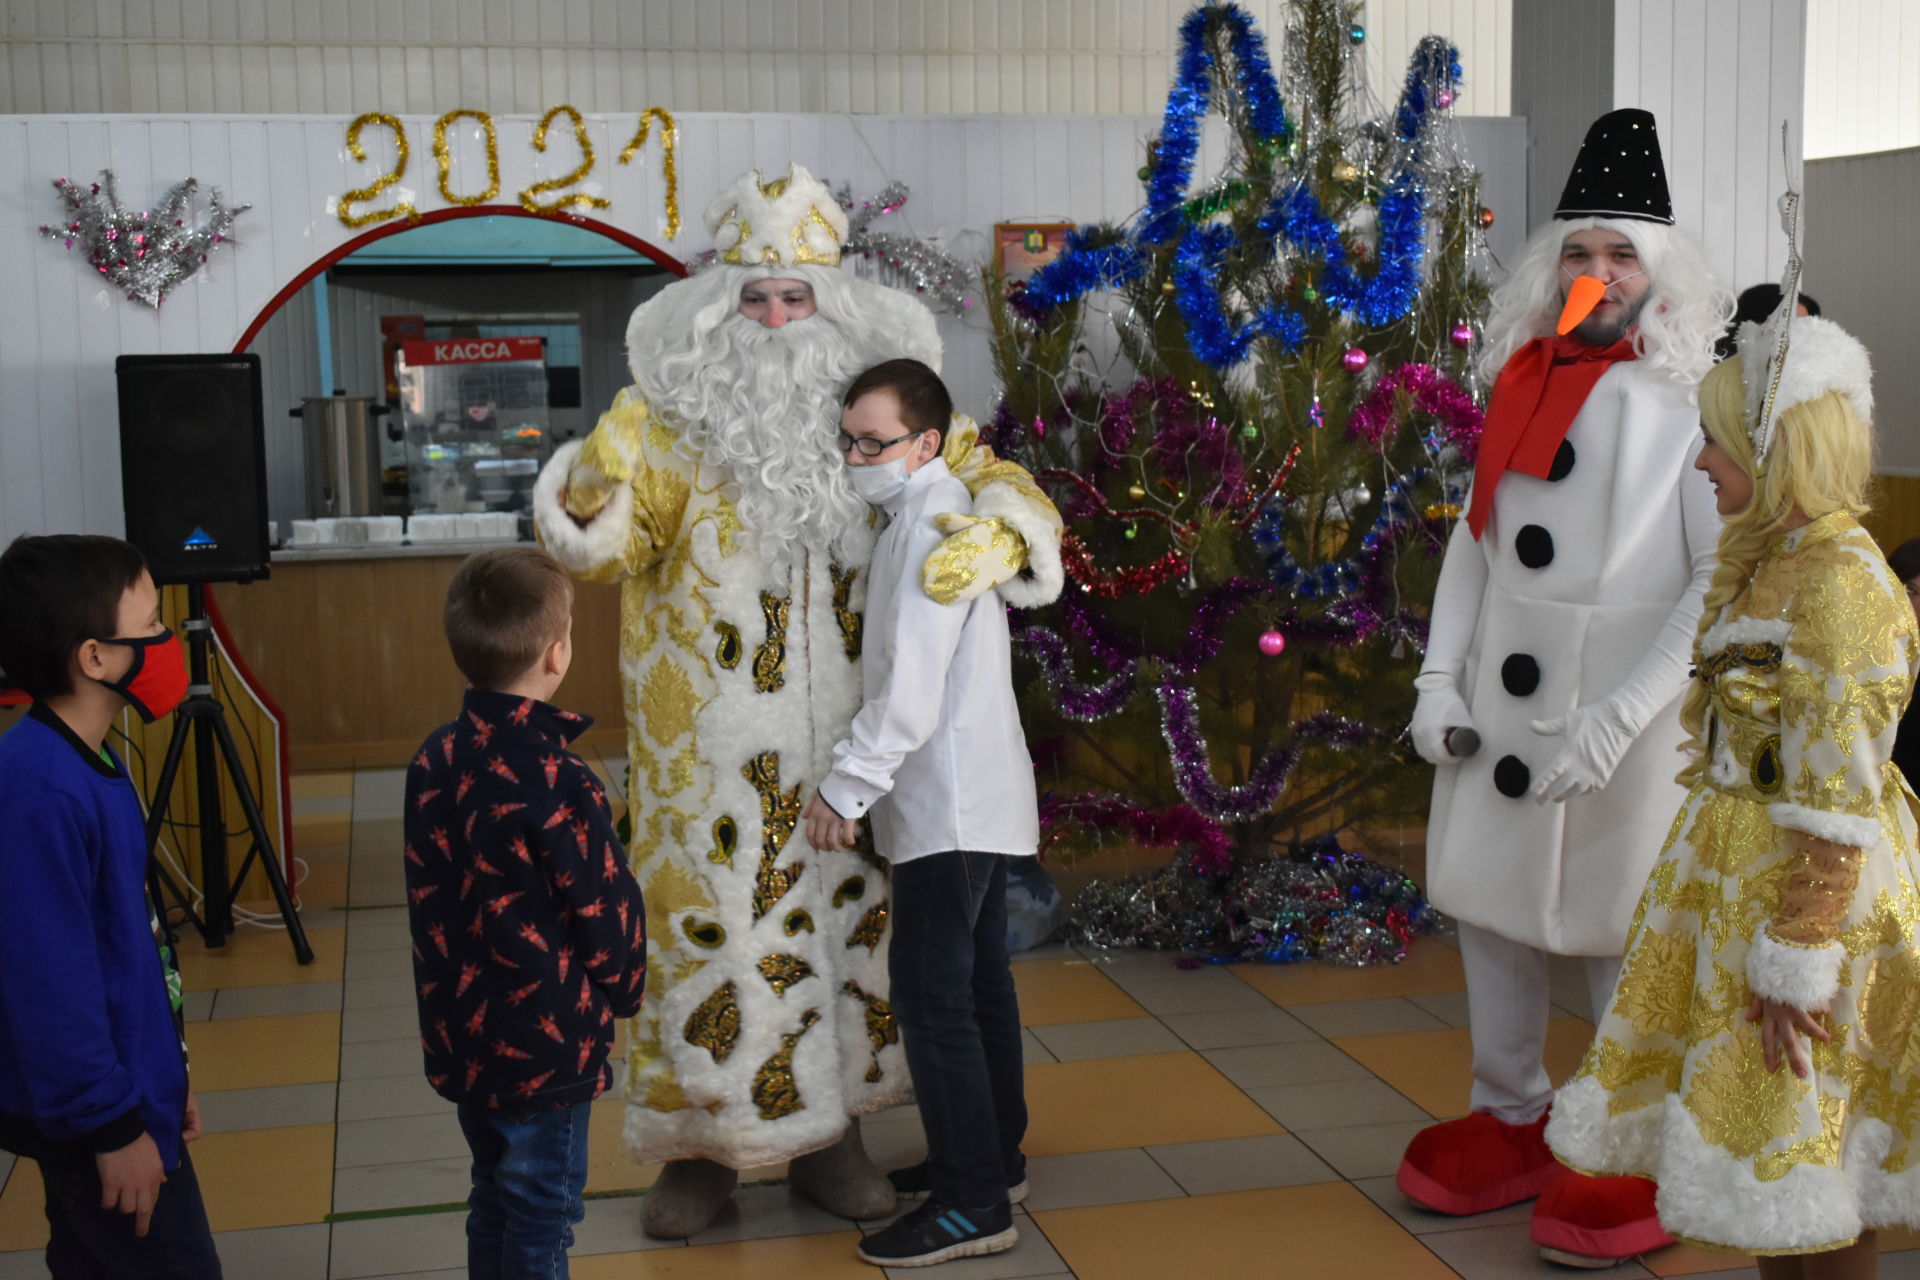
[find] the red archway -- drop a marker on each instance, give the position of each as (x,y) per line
(395,226)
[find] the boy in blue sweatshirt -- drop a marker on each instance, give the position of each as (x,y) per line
(529,935)
(93,1079)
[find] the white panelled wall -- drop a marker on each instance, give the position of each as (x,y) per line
(1863,76)
(310,57)
(59,448)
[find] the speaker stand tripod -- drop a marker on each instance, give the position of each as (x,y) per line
(207,719)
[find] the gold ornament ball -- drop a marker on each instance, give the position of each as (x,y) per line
(1166,286)
(1346,173)
(1136,491)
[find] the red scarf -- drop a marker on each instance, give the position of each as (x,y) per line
(1535,399)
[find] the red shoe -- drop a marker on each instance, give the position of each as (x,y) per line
(1597,1222)
(1477,1164)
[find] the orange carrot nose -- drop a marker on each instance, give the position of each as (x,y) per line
(1582,297)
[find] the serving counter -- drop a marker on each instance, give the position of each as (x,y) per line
(348,641)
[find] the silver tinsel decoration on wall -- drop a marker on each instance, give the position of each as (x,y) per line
(936,277)
(146,253)
(940,280)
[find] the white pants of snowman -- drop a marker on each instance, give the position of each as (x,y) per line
(1507,1010)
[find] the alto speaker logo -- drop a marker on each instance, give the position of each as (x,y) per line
(200,540)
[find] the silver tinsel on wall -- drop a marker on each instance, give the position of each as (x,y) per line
(146,253)
(938,278)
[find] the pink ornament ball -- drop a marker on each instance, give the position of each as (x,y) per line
(1354,359)
(1462,335)
(1445,98)
(1272,643)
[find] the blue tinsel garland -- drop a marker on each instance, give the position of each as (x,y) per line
(1196,291)
(1337,577)
(1187,103)
(1294,218)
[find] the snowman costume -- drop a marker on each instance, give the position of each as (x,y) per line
(1561,632)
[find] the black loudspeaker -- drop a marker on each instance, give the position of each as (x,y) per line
(193,465)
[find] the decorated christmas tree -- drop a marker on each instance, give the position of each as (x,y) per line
(1256,487)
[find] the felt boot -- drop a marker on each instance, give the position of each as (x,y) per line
(686,1198)
(1597,1222)
(842,1180)
(1477,1164)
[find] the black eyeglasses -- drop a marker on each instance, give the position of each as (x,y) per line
(874,448)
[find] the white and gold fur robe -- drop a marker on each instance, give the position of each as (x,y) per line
(766,1023)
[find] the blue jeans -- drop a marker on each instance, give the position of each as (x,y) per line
(529,1174)
(91,1243)
(953,995)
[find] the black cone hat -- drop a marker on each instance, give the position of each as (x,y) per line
(1619,173)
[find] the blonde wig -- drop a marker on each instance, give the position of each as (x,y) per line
(1821,462)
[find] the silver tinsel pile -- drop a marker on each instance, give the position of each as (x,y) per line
(936,277)
(1316,903)
(145,254)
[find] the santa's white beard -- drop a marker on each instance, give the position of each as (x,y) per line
(763,407)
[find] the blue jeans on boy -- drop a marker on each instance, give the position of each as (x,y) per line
(952,991)
(87,1242)
(529,1176)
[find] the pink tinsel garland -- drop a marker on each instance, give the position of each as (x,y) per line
(1176,825)
(1432,392)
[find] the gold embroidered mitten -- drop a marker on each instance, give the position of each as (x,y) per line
(977,556)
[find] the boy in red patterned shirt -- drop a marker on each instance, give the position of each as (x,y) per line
(529,936)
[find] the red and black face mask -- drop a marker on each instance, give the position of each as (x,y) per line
(156,683)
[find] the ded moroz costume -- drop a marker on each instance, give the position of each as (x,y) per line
(713,492)
(1560,631)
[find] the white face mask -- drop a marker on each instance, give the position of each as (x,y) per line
(880,483)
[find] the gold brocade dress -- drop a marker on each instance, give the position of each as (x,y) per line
(1796,845)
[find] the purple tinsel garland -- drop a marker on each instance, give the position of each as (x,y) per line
(1176,825)
(1076,701)
(1193,768)
(1432,392)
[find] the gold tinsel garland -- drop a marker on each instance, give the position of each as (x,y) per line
(361,194)
(669,135)
(443,156)
(585,167)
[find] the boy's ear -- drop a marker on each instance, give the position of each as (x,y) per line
(938,439)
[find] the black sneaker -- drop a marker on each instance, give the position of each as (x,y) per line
(915,1182)
(933,1233)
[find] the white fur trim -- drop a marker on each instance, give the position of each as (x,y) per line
(1708,1195)
(1841,828)
(1732,631)
(1821,357)
(1886,1199)
(1043,577)
(603,540)
(1584,1134)
(750,225)
(1804,977)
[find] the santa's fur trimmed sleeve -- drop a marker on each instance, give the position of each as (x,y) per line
(1030,515)
(596,550)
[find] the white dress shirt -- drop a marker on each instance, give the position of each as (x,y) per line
(936,752)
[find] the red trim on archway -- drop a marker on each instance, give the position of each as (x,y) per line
(394,226)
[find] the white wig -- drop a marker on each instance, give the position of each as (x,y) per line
(763,406)
(1686,309)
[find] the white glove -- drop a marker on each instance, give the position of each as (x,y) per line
(1596,737)
(1437,711)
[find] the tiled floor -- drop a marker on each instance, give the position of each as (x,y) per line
(1203,1122)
